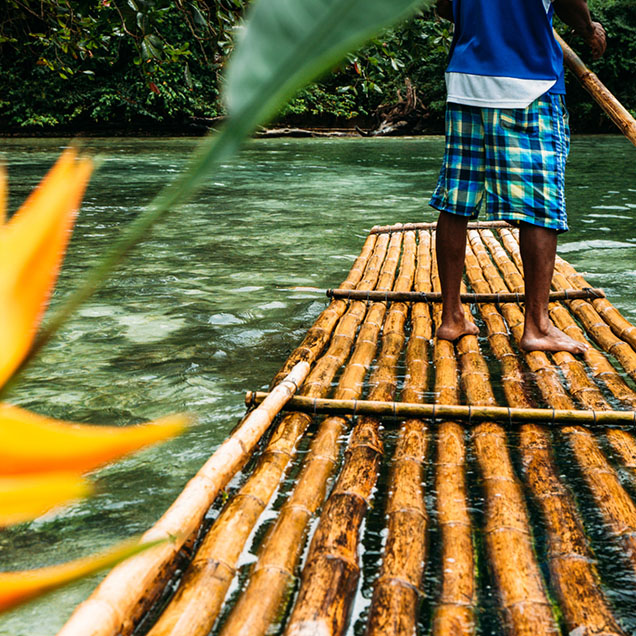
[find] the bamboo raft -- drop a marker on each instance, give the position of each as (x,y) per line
(373,428)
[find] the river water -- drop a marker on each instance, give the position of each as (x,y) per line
(216,298)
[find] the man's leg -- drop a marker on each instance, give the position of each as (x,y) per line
(451,251)
(538,250)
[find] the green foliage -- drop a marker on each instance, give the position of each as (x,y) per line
(292,50)
(113,61)
(321,99)
(134,64)
(375,75)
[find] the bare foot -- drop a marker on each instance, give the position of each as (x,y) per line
(553,340)
(452,330)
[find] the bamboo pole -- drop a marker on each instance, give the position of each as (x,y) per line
(407,227)
(600,366)
(602,96)
(454,614)
(617,323)
(545,376)
(615,505)
(331,571)
(397,590)
(589,317)
(624,445)
(582,387)
(435,297)
(273,573)
(366,266)
(525,606)
(468,413)
(622,442)
(127,592)
(573,573)
(198,600)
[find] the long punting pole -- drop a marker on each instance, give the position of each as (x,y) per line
(198,601)
(573,573)
(593,85)
(130,588)
(613,501)
(273,575)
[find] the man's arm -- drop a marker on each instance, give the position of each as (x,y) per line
(445,9)
(576,14)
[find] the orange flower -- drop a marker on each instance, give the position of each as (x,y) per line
(32,246)
(33,444)
(41,460)
(25,497)
(19,587)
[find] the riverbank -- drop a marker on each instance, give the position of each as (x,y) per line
(289,126)
(293,125)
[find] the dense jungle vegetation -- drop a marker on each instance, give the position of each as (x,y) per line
(156,66)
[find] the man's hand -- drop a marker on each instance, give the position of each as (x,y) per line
(576,14)
(596,39)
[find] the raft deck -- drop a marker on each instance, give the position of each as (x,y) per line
(470,500)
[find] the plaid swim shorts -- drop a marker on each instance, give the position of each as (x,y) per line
(512,161)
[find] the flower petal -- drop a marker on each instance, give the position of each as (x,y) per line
(32,245)
(31,443)
(19,587)
(24,498)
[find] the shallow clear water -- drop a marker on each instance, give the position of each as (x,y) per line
(213,302)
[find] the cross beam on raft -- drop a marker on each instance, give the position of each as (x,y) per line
(446,411)
(406,227)
(436,297)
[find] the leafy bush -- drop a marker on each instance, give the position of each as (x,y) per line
(142,64)
(116,62)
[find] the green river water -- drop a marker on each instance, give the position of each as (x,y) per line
(214,301)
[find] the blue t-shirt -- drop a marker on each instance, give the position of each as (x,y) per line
(504,53)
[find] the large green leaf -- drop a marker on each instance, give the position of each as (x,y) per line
(287,43)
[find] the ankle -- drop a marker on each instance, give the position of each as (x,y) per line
(453,315)
(537,323)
